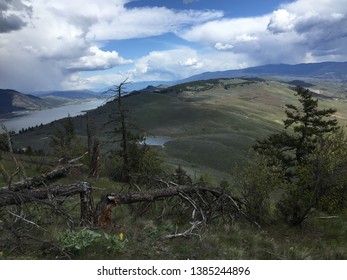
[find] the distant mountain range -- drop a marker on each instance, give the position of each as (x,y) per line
(323,70)
(12,100)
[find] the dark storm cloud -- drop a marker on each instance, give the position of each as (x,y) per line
(324,35)
(12,13)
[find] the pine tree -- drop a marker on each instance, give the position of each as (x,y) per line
(304,126)
(310,177)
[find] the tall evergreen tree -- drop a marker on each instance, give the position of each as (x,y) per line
(304,126)
(311,176)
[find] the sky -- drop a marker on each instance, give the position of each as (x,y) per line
(94,44)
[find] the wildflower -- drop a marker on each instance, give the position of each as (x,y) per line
(121,236)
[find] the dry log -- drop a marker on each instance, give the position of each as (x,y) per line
(8,197)
(104,207)
(41,180)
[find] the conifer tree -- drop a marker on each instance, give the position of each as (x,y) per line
(304,126)
(312,170)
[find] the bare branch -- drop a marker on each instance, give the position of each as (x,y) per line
(188,233)
(25,220)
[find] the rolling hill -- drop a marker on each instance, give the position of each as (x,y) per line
(11,101)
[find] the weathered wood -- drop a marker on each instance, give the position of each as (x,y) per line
(37,181)
(87,206)
(8,197)
(104,207)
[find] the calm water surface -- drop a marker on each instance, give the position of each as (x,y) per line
(157,140)
(49,115)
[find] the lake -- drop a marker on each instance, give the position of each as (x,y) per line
(45,116)
(156,140)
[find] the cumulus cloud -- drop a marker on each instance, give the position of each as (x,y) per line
(227,31)
(165,65)
(192,62)
(145,22)
(296,32)
(97,60)
(281,21)
(223,46)
(53,40)
(53,44)
(183,62)
(321,24)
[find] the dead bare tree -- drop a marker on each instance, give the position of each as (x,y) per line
(207,203)
(123,128)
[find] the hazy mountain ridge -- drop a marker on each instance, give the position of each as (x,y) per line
(12,100)
(68,94)
(324,70)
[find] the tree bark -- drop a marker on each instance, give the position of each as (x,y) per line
(104,207)
(8,197)
(87,206)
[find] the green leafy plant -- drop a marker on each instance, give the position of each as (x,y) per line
(86,238)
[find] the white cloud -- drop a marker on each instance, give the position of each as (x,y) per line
(144,22)
(168,65)
(97,81)
(60,35)
(281,21)
(183,62)
(48,44)
(192,62)
(223,46)
(227,31)
(291,34)
(97,60)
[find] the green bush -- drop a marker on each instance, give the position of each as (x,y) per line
(77,241)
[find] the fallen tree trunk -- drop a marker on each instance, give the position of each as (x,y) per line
(41,180)
(104,207)
(8,197)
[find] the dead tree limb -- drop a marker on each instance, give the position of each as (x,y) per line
(104,207)
(8,197)
(188,233)
(41,180)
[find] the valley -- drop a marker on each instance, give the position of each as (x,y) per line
(212,124)
(199,138)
